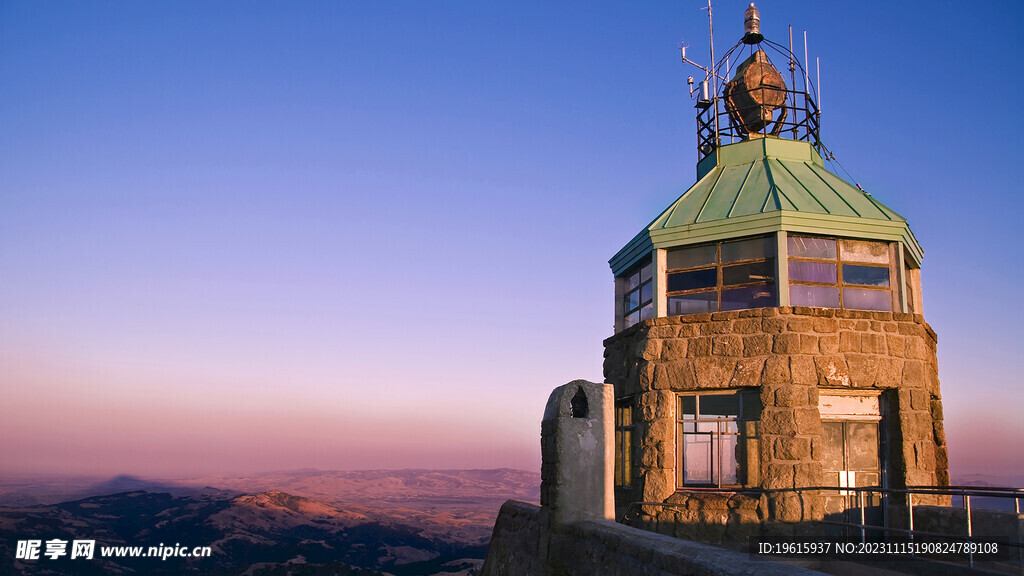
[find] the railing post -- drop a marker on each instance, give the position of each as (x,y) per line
(863,531)
(967,506)
(910,514)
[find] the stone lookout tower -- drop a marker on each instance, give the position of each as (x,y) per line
(769,335)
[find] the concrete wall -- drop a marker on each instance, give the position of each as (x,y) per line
(525,544)
(790,354)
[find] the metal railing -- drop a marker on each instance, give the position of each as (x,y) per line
(859,501)
(796,119)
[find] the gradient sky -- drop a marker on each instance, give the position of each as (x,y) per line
(247,236)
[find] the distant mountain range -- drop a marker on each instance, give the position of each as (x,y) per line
(405,523)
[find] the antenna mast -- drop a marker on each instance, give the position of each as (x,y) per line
(714,75)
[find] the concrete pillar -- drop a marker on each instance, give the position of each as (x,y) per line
(578,457)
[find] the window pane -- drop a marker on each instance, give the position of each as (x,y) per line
(632,318)
(688,406)
(864,251)
(647,312)
(807,247)
(865,275)
(815,296)
(748,249)
(744,273)
(645,272)
(749,297)
(801,271)
(632,300)
(634,280)
(646,292)
(861,299)
(706,278)
(862,445)
(697,458)
(691,257)
(719,405)
(728,455)
(693,303)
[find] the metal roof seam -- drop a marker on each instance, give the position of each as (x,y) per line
(710,193)
(836,192)
(740,191)
(808,190)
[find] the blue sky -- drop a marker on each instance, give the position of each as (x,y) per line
(241,236)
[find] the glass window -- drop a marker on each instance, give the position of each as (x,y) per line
(814,296)
(623,443)
(692,257)
(749,297)
(864,251)
(700,281)
(804,271)
(863,299)
(638,301)
(717,438)
(813,266)
(865,275)
(748,249)
(811,247)
(693,303)
(695,280)
(747,273)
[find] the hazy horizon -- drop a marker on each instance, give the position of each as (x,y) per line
(352,236)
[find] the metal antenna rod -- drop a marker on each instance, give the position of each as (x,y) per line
(714,74)
(807,80)
(817,83)
(792,75)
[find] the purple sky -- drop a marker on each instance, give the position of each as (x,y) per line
(238,237)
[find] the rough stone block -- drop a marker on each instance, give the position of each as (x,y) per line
(896,345)
(825,325)
(791,396)
(862,370)
(698,347)
(778,476)
(798,324)
(776,370)
(651,350)
(662,331)
(911,329)
(849,341)
(920,400)
(757,345)
(720,327)
(889,372)
(789,508)
(808,344)
(678,375)
(792,448)
(832,371)
(689,330)
(808,420)
(873,344)
(786,344)
(803,370)
(674,349)
(916,349)
(828,343)
(913,373)
(770,325)
(747,326)
(658,484)
(778,421)
(936,409)
(714,372)
(747,373)
(726,345)
(806,474)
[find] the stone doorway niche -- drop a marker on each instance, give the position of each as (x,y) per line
(853,454)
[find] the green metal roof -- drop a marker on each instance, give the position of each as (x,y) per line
(766,185)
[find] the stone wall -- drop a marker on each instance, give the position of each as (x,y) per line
(789,354)
(524,543)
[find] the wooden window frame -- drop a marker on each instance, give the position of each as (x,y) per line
(749,474)
(839,262)
(718,266)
